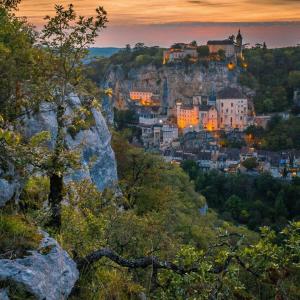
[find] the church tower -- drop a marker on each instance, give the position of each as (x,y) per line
(239,43)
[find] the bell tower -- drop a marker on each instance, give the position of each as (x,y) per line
(239,42)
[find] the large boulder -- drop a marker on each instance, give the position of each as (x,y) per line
(48,273)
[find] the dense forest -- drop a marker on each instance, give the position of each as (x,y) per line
(279,134)
(149,237)
(273,74)
(254,201)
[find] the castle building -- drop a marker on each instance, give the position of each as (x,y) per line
(179,51)
(232,108)
(232,46)
(187,116)
(145,98)
(140,95)
(208,117)
(225,45)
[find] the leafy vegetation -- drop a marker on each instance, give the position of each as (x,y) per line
(279,135)
(273,74)
(154,236)
(254,201)
(128,58)
(17,236)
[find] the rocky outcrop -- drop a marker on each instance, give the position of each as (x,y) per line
(97,157)
(10,184)
(48,273)
(171,82)
(98,162)
(3,294)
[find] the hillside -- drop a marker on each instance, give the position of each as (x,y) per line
(84,214)
(272,75)
(103,52)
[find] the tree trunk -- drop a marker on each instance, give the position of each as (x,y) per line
(55,199)
(56,178)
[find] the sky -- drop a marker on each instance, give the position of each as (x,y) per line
(161,22)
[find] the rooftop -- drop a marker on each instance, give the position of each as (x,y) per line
(222,42)
(230,93)
(205,107)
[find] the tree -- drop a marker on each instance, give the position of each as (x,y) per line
(128,48)
(294,79)
(66,38)
(222,54)
(250,163)
(193,43)
(9,4)
(280,208)
(203,51)
(139,46)
(234,205)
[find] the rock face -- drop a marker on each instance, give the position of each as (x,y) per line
(171,82)
(48,273)
(98,162)
(10,185)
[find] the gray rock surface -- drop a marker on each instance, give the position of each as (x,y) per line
(3,294)
(48,273)
(97,157)
(10,184)
(171,82)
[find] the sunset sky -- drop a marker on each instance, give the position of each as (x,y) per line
(159,22)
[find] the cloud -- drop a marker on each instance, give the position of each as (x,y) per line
(274,2)
(126,12)
(208,3)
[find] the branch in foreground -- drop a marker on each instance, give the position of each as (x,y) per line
(142,263)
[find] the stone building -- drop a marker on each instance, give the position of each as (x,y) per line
(232,46)
(232,108)
(180,51)
(187,116)
(208,117)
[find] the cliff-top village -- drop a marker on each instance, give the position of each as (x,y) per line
(192,127)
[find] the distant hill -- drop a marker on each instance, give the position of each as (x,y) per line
(105,52)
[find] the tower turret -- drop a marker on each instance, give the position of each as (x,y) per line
(239,43)
(239,38)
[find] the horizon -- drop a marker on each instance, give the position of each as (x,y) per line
(275,22)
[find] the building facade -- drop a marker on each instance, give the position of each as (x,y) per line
(233,47)
(232,109)
(225,45)
(208,117)
(187,116)
(180,51)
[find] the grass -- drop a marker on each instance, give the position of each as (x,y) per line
(17,236)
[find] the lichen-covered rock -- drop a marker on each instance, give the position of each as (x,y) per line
(48,273)
(98,162)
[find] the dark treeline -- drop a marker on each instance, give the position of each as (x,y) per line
(273,74)
(254,201)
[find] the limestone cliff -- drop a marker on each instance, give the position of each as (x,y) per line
(98,162)
(171,82)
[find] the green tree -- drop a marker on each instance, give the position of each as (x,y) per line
(250,163)
(66,38)
(234,205)
(203,51)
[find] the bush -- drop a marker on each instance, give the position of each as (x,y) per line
(17,236)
